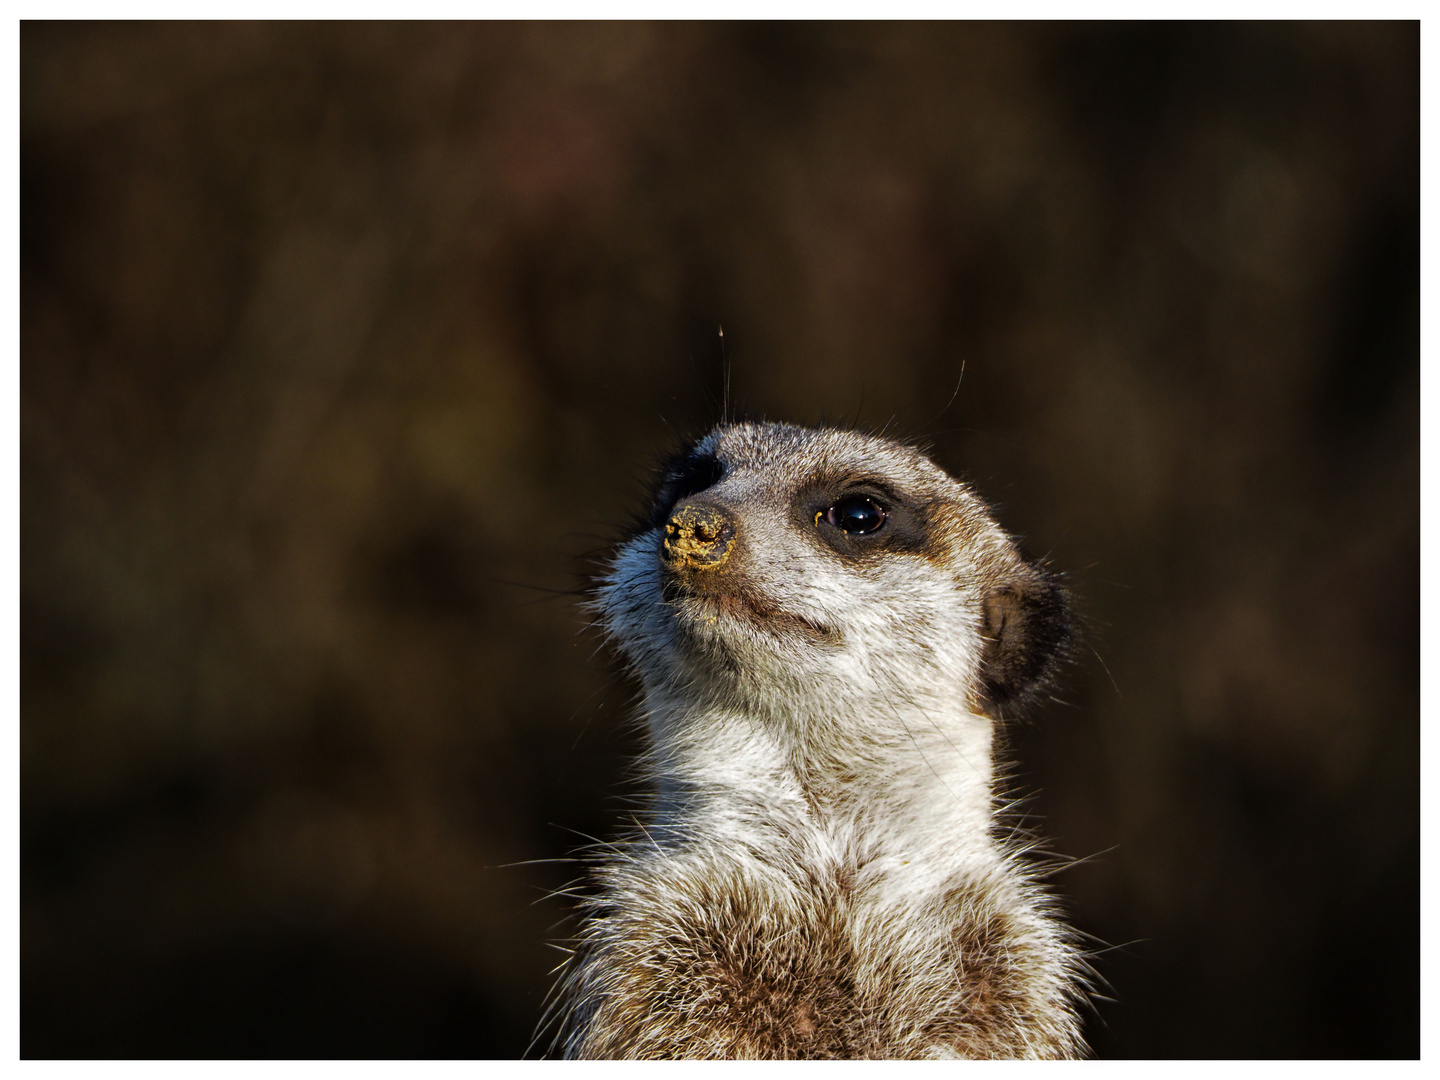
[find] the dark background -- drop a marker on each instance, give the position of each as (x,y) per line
(343,345)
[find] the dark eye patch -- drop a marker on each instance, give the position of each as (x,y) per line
(861,520)
(694,475)
(684,475)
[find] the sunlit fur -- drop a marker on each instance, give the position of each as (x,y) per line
(822,874)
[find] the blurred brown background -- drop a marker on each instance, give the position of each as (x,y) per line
(343,345)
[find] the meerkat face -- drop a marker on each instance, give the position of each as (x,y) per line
(824,572)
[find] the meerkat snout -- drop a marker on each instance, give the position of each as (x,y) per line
(698,536)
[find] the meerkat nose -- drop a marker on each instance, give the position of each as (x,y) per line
(698,536)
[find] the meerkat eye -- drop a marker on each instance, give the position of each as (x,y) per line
(856,515)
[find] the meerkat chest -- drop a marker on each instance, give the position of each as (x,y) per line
(812,957)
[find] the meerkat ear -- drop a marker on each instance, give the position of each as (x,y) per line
(1027,633)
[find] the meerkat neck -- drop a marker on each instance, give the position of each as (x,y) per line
(923,799)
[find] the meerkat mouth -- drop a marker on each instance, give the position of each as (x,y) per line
(700,548)
(755,611)
(775,620)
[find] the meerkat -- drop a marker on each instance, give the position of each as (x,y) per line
(827,627)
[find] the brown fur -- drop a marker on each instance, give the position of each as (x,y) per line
(707,968)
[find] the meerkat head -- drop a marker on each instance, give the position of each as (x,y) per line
(827,577)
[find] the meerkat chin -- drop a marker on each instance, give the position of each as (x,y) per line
(827,627)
